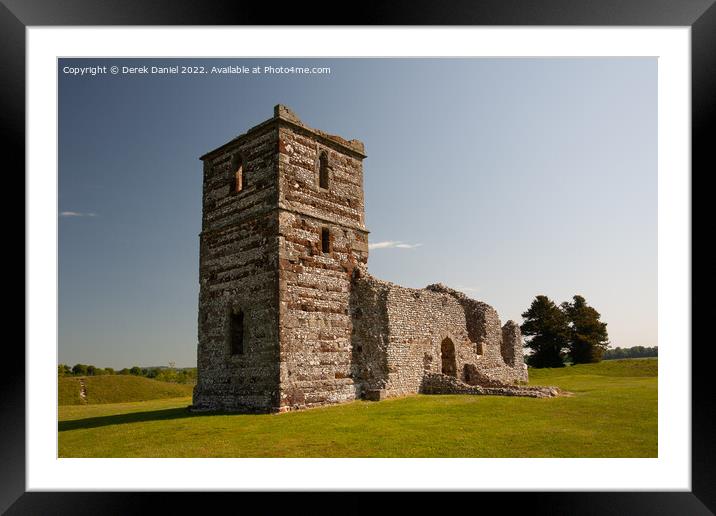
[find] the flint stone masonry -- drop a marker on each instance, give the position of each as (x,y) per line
(402,334)
(287,256)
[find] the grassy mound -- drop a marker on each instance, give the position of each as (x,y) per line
(613,413)
(117,389)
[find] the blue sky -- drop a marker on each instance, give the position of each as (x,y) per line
(505,178)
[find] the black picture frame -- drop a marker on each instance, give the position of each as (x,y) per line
(699,15)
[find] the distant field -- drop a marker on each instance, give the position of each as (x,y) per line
(639,367)
(613,413)
(116,389)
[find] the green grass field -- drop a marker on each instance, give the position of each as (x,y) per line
(613,413)
(116,389)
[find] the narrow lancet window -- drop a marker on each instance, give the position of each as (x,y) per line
(236,332)
(325,240)
(237,179)
(323,171)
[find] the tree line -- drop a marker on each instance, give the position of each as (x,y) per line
(635,352)
(570,332)
(164,374)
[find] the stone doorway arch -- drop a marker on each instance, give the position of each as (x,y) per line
(447,354)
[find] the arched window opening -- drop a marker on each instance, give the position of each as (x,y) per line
(323,170)
(447,354)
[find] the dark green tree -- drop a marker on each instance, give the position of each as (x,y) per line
(547,329)
(588,339)
(79,369)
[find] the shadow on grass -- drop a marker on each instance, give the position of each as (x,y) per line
(120,419)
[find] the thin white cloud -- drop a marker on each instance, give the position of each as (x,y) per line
(392,244)
(76,214)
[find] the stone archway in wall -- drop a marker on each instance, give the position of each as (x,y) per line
(447,355)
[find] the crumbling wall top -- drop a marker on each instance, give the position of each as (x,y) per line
(460,296)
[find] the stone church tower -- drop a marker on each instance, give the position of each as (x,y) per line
(289,316)
(282,233)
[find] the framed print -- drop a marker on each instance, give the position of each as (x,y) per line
(231,221)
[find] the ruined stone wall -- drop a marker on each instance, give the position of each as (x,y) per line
(419,321)
(483,326)
(315,285)
(239,272)
(512,350)
(402,331)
